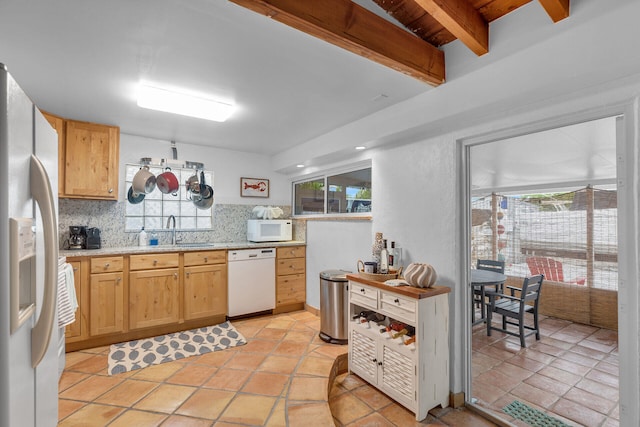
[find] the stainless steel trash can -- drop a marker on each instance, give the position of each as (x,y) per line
(334,310)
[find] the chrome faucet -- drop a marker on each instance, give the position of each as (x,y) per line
(173,229)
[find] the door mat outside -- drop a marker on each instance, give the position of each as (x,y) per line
(137,354)
(531,416)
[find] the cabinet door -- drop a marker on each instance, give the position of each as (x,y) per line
(398,374)
(153,298)
(58,124)
(205,291)
(363,357)
(91,161)
(106,304)
(290,289)
(75,328)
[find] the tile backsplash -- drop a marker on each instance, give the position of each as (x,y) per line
(229,223)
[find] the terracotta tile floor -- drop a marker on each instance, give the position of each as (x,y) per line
(571,373)
(279,378)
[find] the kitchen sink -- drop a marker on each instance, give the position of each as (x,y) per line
(195,245)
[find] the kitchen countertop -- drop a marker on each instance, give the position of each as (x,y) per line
(184,247)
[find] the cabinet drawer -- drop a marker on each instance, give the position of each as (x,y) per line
(106,264)
(291,252)
(399,307)
(290,266)
(363,295)
(205,258)
(152,261)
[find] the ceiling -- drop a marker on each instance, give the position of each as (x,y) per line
(560,159)
(83,60)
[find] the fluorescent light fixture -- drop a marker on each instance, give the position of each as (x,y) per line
(299,166)
(169,101)
(360,147)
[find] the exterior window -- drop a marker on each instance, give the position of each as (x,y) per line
(344,193)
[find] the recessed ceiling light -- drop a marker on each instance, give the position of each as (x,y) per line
(185,104)
(360,147)
(299,166)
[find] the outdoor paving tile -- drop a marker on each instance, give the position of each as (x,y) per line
(550,384)
(599,389)
(499,379)
(589,352)
(526,363)
(592,401)
(486,391)
(578,413)
(605,348)
(604,378)
(579,359)
(568,366)
(531,394)
(560,375)
(608,368)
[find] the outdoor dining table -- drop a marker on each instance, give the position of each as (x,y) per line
(481,279)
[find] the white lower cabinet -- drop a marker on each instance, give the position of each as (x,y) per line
(413,367)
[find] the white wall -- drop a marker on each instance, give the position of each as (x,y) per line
(228,167)
(532,78)
(337,245)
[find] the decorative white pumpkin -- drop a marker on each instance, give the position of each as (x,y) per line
(420,275)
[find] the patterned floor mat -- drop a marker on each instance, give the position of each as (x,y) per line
(137,354)
(531,416)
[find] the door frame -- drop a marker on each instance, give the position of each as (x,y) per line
(628,170)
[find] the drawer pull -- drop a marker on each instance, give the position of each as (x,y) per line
(155,262)
(106,265)
(175,276)
(397,301)
(188,274)
(362,290)
(206,259)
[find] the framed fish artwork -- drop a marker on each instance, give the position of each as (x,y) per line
(254,187)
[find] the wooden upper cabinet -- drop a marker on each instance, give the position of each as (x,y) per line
(58,124)
(91,156)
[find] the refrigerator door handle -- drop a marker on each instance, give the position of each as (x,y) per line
(43,195)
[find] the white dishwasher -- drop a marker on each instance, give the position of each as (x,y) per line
(252,281)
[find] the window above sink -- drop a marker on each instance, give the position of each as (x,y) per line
(152,213)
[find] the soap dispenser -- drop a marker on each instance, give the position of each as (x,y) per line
(142,238)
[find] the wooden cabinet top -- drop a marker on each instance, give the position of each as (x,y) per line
(409,291)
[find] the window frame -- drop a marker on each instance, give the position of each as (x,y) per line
(324,176)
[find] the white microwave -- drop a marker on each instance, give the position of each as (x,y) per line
(269,230)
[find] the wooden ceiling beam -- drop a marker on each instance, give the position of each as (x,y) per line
(462,20)
(352,27)
(556,9)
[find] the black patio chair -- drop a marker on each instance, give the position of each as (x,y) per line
(515,307)
(490,265)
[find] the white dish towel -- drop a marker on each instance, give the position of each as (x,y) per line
(67,301)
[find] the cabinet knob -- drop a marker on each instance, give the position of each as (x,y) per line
(379,363)
(111,190)
(155,262)
(362,290)
(175,276)
(106,265)
(375,360)
(206,259)
(188,274)
(119,279)
(397,301)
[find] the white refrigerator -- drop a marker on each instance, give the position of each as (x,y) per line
(28,261)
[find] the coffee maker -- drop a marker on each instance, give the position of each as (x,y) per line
(77,237)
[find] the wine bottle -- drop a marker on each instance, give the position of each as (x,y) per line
(384,258)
